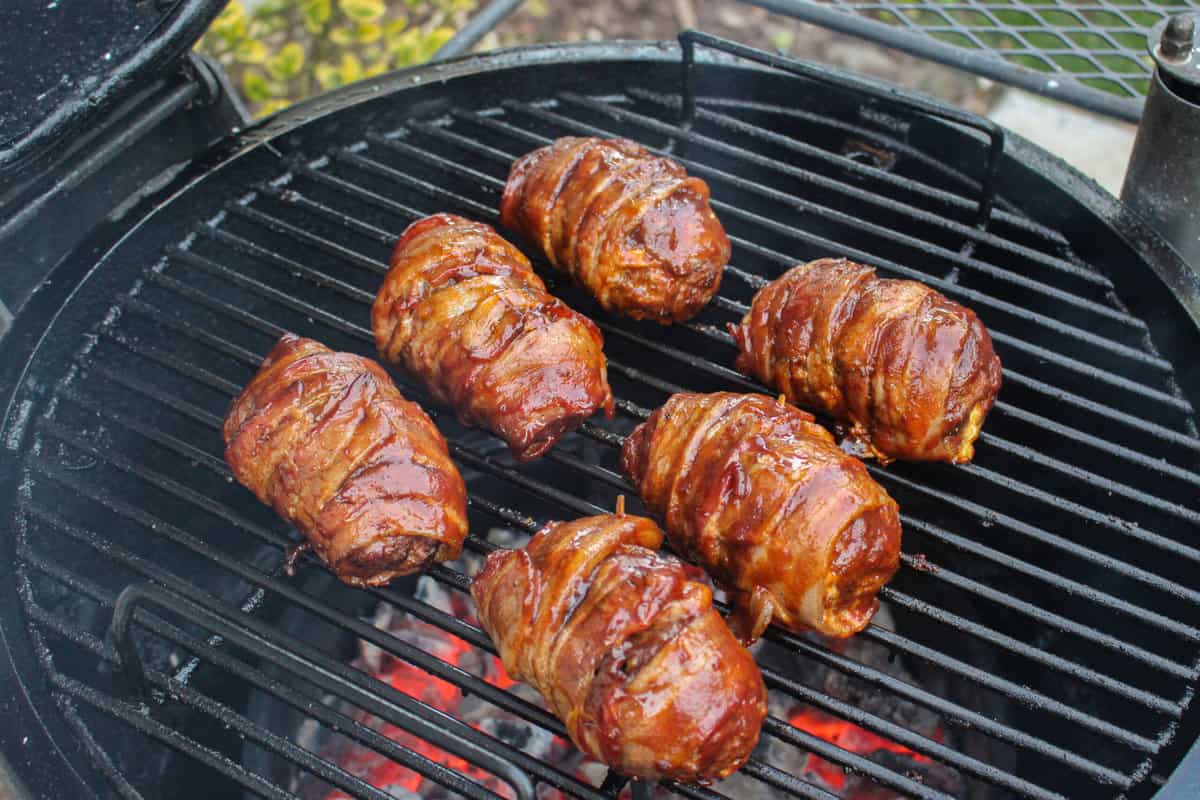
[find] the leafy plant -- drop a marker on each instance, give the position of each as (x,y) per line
(282,51)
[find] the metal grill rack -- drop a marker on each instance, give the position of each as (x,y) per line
(135,548)
(1092,54)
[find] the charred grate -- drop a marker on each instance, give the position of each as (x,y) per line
(1040,604)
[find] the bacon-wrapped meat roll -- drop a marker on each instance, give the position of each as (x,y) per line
(629,226)
(911,372)
(626,647)
(328,440)
(462,310)
(759,495)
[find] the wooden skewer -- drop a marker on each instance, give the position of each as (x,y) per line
(782,399)
(620,505)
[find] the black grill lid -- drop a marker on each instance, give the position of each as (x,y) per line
(67,63)
(85,86)
(1062,559)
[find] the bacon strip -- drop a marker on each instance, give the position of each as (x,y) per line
(757,493)
(911,372)
(629,226)
(463,311)
(626,647)
(328,440)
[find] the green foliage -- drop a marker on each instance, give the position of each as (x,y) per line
(287,63)
(286,50)
(316,13)
(363,10)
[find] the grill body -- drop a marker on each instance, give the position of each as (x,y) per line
(1047,603)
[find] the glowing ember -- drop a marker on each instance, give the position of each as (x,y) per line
(399,781)
(413,681)
(847,736)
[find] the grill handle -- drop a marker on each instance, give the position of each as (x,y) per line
(1161,181)
(891,95)
(120,634)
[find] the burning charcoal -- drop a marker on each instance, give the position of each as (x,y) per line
(541,744)
(404,783)
(842,733)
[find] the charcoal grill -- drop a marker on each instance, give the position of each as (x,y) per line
(1046,611)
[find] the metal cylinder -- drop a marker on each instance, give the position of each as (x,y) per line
(1162,182)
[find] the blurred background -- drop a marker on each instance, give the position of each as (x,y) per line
(278,52)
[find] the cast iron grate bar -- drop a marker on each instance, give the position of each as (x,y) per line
(133,716)
(487,212)
(251,365)
(160,345)
(696,362)
(159,526)
(730,211)
(252,361)
(364,335)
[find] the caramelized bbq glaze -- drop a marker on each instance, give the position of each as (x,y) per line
(328,440)
(758,494)
(913,373)
(462,310)
(629,226)
(626,647)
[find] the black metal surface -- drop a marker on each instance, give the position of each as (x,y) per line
(1175,37)
(1087,54)
(890,97)
(43,216)
(67,67)
(1160,182)
(416,719)
(83,87)
(1053,579)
